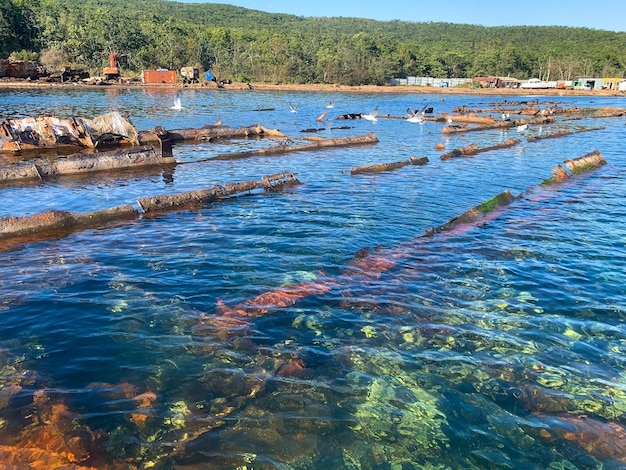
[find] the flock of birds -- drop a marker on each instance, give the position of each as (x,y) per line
(415,116)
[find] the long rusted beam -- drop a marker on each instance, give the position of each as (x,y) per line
(474,214)
(458,129)
(54,221)
(380,167)
(587,162)
(561,133)
(80,163)
(234,320)
(217,192)
(473,149)
(208,133)
(287,147)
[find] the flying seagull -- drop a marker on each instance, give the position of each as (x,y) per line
(177,104)
(371,116)
(416,116)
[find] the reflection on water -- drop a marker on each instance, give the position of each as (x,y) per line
(317,328)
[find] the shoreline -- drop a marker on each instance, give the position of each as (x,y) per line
(322,88)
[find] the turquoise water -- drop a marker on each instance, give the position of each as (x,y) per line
(497,346)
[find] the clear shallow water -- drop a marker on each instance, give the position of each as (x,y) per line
(477,349)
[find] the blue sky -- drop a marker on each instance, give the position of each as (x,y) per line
(590,14)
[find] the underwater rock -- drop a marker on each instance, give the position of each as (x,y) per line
(403,415)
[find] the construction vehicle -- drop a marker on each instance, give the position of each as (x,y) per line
(112,72)
(190,74)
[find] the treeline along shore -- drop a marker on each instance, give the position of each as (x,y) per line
(250,46)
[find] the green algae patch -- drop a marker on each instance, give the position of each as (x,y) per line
(499,200)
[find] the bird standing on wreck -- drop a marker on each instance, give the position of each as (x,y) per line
(452,124)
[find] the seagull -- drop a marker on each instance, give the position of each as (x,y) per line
(522,127)
(506,117)
(452,124)
(414,117)
(330,105)
(293,107)
(417,116)
(372,115)
(177,105)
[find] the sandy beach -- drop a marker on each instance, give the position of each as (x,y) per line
(325,88)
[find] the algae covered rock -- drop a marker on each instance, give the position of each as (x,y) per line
(402,414)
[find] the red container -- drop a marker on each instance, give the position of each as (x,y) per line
(158,76)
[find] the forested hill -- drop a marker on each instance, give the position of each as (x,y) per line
(249,45)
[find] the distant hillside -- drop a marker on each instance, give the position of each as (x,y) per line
(250,45)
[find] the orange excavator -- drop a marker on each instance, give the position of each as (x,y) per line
(112,72)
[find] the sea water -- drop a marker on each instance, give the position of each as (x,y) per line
(201,338)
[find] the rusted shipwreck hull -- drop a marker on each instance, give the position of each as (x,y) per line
(49,132)
(109,130)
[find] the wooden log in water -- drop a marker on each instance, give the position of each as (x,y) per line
(288,147)
(473,149)
(380,167)
(62,222)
